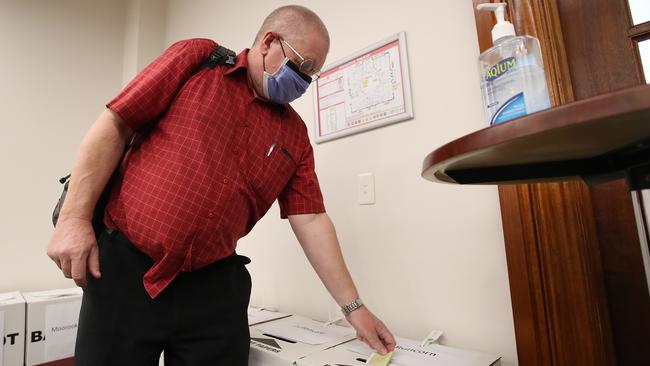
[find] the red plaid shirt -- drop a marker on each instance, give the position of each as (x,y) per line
(216,160)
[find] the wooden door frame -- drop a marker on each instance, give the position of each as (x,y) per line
(556,279)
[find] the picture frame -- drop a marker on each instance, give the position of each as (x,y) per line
(368,89)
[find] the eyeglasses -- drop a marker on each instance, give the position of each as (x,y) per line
(306,64)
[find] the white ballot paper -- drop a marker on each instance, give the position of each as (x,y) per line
(407,353)
(261,315)
(303,330)
(61,323)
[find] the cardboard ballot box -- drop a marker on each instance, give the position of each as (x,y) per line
(284,341)
(12,329)
(52,322)
(261,315)
(407,353)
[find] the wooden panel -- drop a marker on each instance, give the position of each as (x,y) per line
(525,275)
(555,279)
(628,300)
(573,291)
(598,47)
(576,308)
(558,301)
(640,31)
(540,19)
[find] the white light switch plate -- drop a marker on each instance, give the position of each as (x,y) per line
(366,189)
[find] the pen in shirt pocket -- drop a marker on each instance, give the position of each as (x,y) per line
(271,149)
(287,153)
(282,149)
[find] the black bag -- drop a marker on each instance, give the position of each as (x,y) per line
(220,56)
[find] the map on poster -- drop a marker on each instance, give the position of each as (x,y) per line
(366,90)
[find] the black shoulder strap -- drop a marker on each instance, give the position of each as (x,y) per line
(220,56)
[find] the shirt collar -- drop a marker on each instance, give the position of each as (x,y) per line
(241,61)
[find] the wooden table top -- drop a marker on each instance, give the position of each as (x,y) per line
(596,137)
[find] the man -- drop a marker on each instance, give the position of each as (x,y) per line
(224,146)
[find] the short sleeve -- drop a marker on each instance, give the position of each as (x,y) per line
(302,195)
(148,95)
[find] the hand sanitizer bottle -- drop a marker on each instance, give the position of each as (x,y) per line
(512,72)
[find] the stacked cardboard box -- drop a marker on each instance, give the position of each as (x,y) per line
(262,315)
(12,329)
(299,341)
(284,341)
(52,322)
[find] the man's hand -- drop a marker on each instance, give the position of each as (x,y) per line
(316,234)
(371,330)
(73,248)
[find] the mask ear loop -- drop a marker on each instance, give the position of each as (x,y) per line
(264,56)
(280,41)
(279,132)
(283,113)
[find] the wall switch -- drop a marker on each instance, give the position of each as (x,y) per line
(366,188)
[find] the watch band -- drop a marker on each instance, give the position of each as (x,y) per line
(354,305)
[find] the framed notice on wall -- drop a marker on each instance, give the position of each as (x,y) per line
(366,90)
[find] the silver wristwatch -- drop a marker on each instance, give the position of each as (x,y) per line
(354,305)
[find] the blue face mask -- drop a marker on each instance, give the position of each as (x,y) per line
(286,84)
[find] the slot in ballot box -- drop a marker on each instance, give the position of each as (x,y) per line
(12,329)
(52,322)
(406,353)
(261,315)
(282,342)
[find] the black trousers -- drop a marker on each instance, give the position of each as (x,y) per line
(200,319)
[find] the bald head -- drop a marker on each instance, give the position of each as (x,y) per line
(296,24)
(289,25)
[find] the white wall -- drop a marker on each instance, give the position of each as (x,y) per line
(425,255)
(143,35)
(60,62)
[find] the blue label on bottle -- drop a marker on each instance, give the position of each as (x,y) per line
(515,107)
(500,68)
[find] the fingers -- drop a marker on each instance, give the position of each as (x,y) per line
(56,260)
(66,267)
(372,331)
(93,262)
(53,255)
(386,337)
(78,271)
(73,248)
(373,341)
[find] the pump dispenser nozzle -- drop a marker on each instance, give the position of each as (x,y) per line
(503,28)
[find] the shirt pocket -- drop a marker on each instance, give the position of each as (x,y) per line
(269,174)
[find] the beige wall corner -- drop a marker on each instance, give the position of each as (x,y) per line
(144,35)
